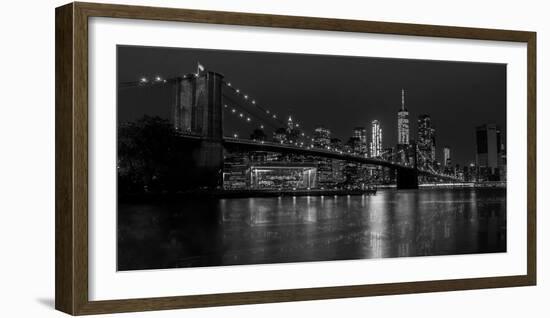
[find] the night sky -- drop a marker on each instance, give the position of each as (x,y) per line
(338,92)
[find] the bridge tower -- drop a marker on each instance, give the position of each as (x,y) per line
(407,178)
(197,110)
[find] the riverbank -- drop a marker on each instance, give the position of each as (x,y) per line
(458,185)
(267,193)
(228,194)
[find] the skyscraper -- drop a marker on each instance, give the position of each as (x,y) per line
(446,156)
(403,122)
(321,137)
(290,123)
(489,151)
(376,143)
(426,141)
(292,131)
(361,134)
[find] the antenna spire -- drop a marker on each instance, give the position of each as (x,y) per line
(200,68)
(402,99)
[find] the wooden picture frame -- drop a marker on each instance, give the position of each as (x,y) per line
(72,280)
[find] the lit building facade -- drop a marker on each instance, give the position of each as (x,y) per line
(490,154)
(280,136)
(282,175)
(324,172)
(403,122)
(388,154)
(292,131)
(289,134)
(403,149)
(376,139)
(354,145)
(336,144)
(360,133)
(425,142)
(446,156)
(235,171)
(321,137)
(338,171)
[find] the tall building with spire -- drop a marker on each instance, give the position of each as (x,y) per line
(403,122)
(290,123)
(292,131)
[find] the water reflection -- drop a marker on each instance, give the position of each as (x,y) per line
(297,229)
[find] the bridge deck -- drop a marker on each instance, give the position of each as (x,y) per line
(332,154)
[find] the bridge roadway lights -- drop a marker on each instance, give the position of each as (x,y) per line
(406,178)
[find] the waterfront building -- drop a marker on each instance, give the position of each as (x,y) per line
(324,172)
(352,177)
(470,172)
(235,171)
(338,171)
(459,172)
(282,175)
(490,156)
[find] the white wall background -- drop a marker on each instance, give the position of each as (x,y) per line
(27,158)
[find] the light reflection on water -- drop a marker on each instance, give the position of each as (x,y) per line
(311,228)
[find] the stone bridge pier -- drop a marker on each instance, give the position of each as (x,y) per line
(198,111)
(406,178)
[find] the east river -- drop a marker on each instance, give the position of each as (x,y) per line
(392,223)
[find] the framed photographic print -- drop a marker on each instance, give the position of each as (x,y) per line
(217,158)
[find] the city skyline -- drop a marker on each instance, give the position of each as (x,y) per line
(217,148)
(478,83)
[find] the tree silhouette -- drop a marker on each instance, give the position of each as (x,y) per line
(146,154)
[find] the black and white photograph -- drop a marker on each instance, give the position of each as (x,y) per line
(275,159)
(231,157)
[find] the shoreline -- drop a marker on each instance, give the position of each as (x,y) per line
(235,194)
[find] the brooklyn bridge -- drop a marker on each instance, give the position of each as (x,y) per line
(232,169)
(201,102)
